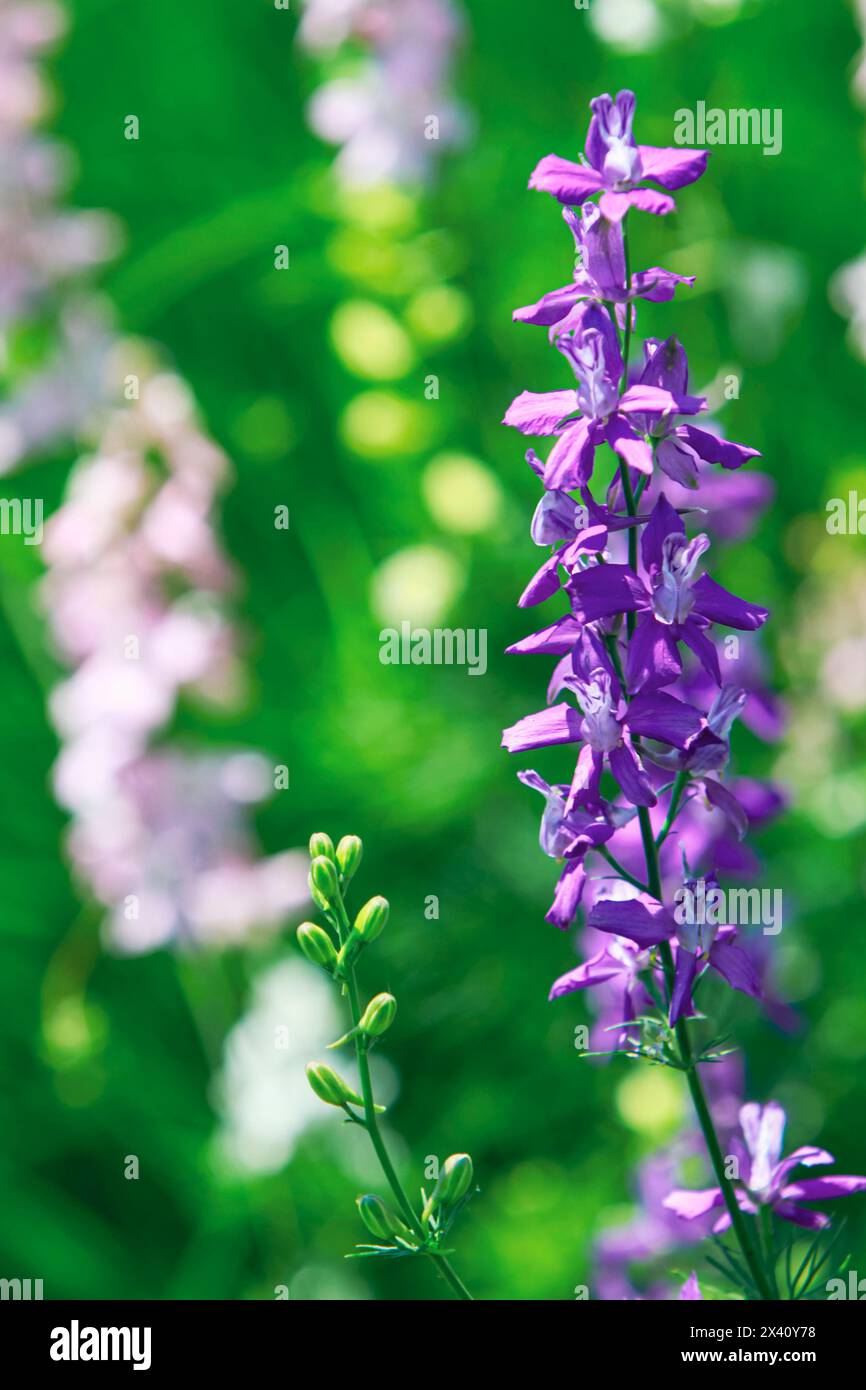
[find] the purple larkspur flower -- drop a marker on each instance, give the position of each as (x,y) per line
(584,526)
(764,1176)
(606,727)
(691,1289)
(681,448)
(619,963)
(699,945)
(616,167)
(568,831)
(677,605)
(600,272)
(592,348)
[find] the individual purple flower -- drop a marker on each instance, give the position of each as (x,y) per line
(606,727)
(699,945)
(584,527)
(600,272)
(764,1176)
(619,963)
(592,348)
(615,166)
(677,605)
(568,832)
(691,1289)
(681,448)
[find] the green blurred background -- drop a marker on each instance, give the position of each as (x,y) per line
(313,381)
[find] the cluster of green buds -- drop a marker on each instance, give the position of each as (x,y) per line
(336,948)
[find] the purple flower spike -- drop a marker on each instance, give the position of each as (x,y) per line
(764,1176)
(616,167)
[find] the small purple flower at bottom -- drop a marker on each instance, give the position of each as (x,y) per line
(647,923)
(691,1289)
(764,1174)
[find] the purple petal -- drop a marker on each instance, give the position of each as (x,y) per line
(645,923)
(653,658)
(570,461)
(764,1130)
(544,583)
(641,397)
(565,180)
(540,412)
(566,898)
(629,773)
(724,800)
(821,1189)
(681,994)
(694,636)
(658,285)
(633,450)
(555,640)
(720,606)
(604,590)
(691,1289)
(661,716)
(596,971)
(712,449)
(664,521)
(551,307)
(802,1216)
(677,461)
(560,724)
(690,1205)
(671,167)
(616,205)
(734,965)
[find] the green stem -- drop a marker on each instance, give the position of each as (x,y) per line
(371,1121)
(622,872)
(679,787)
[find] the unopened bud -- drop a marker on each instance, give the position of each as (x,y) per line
(349,853)
(454,1181)
(321,844)
(330,1087)
(323,881)
(316,945)
(378,1015)
(371,920)
(379,1218)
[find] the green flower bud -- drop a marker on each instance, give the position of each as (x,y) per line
(316,945)
(378,1218)
(349,852)
(321,844)
(330,1087)
(454,1181)
(371,920)
(323,880)
(378,1015)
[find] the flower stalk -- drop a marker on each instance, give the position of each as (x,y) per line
(422,1234)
